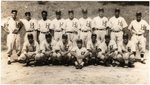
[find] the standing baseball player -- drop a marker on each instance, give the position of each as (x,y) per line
(93,48)
(138,28)
(85,27)
(72,27)
(63,49)
(126,52)
(58,25)
(30,51)
(117,24)
(108,50)
(47,48)
(12,25)
(43,26)
(30,25)
(99,25)
(80,53)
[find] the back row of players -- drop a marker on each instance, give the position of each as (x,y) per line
(60,40)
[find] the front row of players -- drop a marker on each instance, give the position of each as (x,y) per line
(51,52)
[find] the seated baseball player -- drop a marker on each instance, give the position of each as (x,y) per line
(126,52)
(93,48)
(108,50)
(63,49)
(30,50)
(80,53)
(47,48)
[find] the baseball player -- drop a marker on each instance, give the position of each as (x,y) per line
(85,27)
(126,52)
(30,25)
(138,28)
(117,24)
(30,50)
(80,54)
(63,49)
(47,48)
(43,26)
(108,50)
(93,48)
(12,25)
(99,25)
(72,27)
(58,25)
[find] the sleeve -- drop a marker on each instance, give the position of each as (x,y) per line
(114,45)
(124,23)
(130,26)
(146,25)
(38,26)
(57,46)
(109,24)
(37,48)
(93,23)
(42,46)
(24,49)
(120,47)
(52,26)
(88,45)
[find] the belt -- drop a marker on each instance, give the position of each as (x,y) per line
(69,32)
(115,31)
(58,30)
(100,29)
(138,34)
(85,30)
(44,32)
(30,31)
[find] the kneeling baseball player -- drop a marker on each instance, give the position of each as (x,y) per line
(80,53)
(30,51)
(126,52)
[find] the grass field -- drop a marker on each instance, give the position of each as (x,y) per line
(127,11)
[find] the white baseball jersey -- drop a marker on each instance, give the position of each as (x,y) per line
(27,47)
(117,24)
(45,46)
(44,26)
(71,25)
(123,47)
(12,24)
(80,52)
(92,46)
(105,48)
(85,24)
(30,25)
(99,22)
(58,24)
(138,27)
(60,46)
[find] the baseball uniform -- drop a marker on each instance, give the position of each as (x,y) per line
(100,27)
(43,27)
(58,26)
(30,51)
(138,29)
(72,26)
(30,27)
(117,25)
(85,29)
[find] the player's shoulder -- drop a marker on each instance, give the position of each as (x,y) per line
(111,18)
(95,17)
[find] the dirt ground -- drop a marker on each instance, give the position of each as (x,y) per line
(19,74)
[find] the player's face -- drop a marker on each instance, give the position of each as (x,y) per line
(64,40)
(71,15)
(85,15)
(30,40)
(48,39)
(101,14)
(28,17)
(117,14)
(125,41)
(79,45)
(138,18)
(44,15)
(58,16)
(93,38)
(14,14)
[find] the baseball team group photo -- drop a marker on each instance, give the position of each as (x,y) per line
(99,40)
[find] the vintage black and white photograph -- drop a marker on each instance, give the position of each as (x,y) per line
(74,42)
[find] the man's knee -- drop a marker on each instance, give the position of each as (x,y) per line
(38,57)
(22,57)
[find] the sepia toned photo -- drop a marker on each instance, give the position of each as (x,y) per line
(74,42)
